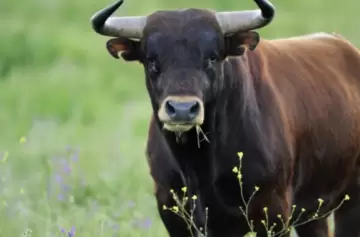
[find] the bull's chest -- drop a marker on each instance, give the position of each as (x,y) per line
(217,195)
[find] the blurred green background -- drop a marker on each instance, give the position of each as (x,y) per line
(84,115)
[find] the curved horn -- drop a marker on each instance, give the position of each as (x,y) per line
(130,27)
(234,21)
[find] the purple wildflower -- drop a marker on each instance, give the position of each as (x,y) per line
(70,233)
(143,224)
(64,170)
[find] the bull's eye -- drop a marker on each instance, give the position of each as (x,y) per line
(211,60)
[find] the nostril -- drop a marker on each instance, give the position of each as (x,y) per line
(195,108)
(170,110)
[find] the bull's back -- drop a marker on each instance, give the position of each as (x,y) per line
(317,80)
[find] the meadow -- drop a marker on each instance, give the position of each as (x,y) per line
(73,121)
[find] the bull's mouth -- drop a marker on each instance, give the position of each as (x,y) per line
(178,127)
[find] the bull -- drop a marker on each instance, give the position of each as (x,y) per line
(291,105)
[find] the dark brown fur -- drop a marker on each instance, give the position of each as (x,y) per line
(291,105)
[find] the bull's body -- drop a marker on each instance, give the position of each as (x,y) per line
(292,106)
(295,115)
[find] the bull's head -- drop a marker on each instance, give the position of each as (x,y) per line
(182,53)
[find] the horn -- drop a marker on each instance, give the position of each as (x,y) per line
(130,27)
(235,21)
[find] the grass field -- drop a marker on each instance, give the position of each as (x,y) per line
(73,120)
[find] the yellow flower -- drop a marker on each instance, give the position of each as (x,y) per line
(347,197)
(302,209)
(250,234)
(184,189)
(23,139)
(265,209)
(257,188)
(164,207)
(320,201)
(175,208)
(194,197)
(235,169)
(240,155)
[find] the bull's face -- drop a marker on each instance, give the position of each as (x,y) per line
(182,53)
(182,66)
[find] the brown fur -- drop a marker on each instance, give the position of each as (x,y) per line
(316,81)
(308,88)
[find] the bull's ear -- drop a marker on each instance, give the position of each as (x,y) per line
(127,48)
(236,44)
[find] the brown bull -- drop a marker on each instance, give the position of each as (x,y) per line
(291,105)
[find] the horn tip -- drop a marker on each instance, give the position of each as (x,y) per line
(267,9)
(98,19)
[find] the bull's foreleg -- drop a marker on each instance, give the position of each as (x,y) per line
(270,212)
(318,228)
(175,225)
(347,218)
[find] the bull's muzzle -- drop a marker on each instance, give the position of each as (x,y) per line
(181,113)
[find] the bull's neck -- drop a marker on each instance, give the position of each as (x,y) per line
(230,121)
(237,122)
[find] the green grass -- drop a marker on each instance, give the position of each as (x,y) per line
(61,89)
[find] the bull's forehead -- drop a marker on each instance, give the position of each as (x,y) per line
(186,33)
(173,21)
